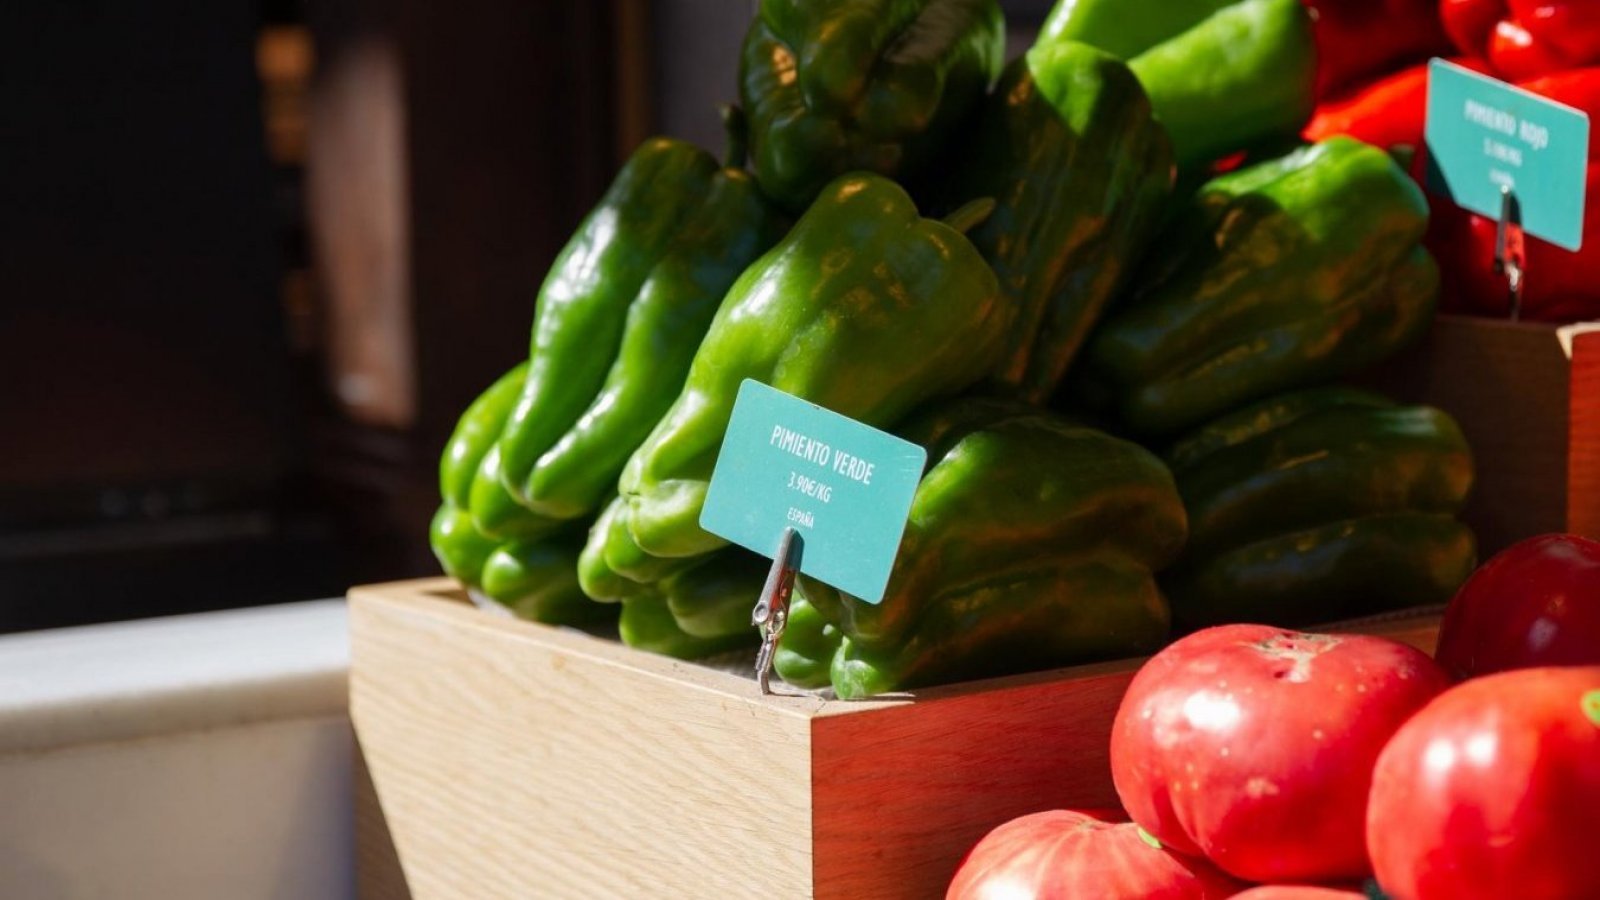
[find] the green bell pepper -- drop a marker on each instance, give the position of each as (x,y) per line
(620,315)
(804,657)
(1320,505)
(865,309)
(1222,75)
(612,567)
(647,624)
(1079,172)
(538,581)
(1032,542)
(834,86)
(1279,276)
(477,514)
(460,548)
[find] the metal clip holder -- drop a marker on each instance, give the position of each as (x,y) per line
(771,614)
(1510,258)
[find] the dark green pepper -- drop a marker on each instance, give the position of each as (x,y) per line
(1032,542)
(620,315)
(538,581)
(1222,75)
(1320,505)
(865,309)
(1279,276)
(834,86)
(1079,172)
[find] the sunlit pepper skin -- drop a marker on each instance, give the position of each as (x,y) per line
(1032,542)
(834,86)
(865,308)
(647,623)
(1319,505)
(538,581)
(619,317)
(1281,275)
(1079,171)
(805,653)
(1222,75)
(477,514)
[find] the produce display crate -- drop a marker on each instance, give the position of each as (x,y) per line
(502,758)
(1527,395)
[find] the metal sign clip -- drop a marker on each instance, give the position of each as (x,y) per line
(771,614)
(1510,258)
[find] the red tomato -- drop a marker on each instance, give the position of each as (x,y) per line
(1493,791)
(1536,603)
(1298,892)
(1254,745)
(1069,855)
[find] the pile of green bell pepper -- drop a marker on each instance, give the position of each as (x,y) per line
(865,308)
(1071,267)
(1281,275)
(1033,542)
(1320,505)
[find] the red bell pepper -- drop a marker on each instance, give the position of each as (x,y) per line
(1359,39)
(1571,26)
(1525,38)
(1470,23)
(1387,113)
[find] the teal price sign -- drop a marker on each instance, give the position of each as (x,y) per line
(1485,137)
(844,487)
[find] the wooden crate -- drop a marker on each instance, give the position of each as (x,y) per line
(1527,396)
(508,759)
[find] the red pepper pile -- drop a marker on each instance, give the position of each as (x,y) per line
(1550,47)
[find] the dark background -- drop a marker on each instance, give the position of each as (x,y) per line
(256,257)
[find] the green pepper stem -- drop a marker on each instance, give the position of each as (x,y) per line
(733,126)
(970,214)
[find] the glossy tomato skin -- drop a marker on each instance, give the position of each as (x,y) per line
(1069,855)
(1536,603)
(1493,791)
(1298,892)
(1253,746)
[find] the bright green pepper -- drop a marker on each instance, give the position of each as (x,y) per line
(805,652)
(477,514)
(834,86)
(647,624)
(1079,172)
(1222,75)
(865,309)
(475,433)
(620,315)
(1279,276)
(1320,505)
(714,599)
(538,581)
(459,547)
(612,567)
(1032,542)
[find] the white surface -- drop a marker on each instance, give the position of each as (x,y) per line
(257,811)
(181,673)
(203,756)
